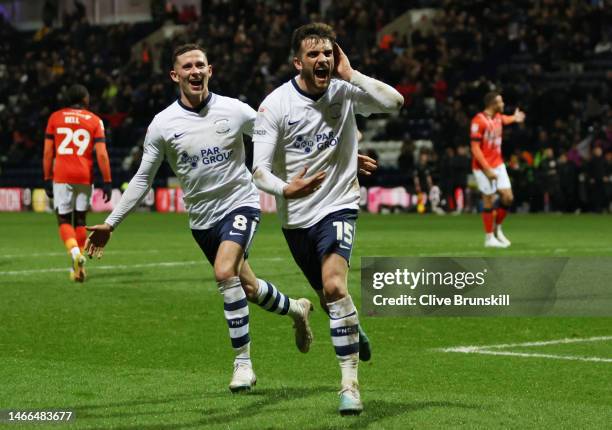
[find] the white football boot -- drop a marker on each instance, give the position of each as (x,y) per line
(303,333)
(350,400)
(492,242)
(77,273)
(499,235)
(243,378)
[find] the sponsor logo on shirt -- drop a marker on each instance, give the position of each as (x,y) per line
(192,160)
(207,156)
(319,141)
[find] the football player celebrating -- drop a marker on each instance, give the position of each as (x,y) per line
(305,153)
(201,136)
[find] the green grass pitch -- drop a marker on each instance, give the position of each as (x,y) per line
(143,343)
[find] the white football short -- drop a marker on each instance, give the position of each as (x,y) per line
(487,186)
(68,197)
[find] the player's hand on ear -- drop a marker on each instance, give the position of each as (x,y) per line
(342,65)
(97,240)
(300,186)
(366,165)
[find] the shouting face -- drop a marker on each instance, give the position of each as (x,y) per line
(315,62)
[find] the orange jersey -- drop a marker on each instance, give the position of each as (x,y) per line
(486,132)
(73,133)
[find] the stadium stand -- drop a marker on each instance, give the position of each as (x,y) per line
(552,58)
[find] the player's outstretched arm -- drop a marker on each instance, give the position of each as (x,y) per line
(97,240)
(516,118)
(136,190)
(385,97)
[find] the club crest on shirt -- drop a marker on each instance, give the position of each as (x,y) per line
(334,110)
(222,126)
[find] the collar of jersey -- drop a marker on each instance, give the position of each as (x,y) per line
(199,107)
(305,94)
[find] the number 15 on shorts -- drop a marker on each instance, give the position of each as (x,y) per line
(344,232)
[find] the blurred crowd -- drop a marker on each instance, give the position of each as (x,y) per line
(553,58)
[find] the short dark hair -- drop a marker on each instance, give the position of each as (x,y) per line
(490,97)
(76,94)
(316,31)
(180,50)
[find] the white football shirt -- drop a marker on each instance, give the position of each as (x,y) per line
(293,130)
(204,147)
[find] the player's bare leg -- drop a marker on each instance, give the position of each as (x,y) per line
(344,322)
(487,220)
(227,267)
(365,349)
(266,295)
(506,198)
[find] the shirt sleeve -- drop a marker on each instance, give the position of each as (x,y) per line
(98,134)
(266,133)
(249,116)
(50,130)
(153,148)
(476,131)
(373,96)
(153,155)
(136,190)
(265,136)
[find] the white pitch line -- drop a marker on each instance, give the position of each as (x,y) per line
(537,355)
(65,254)
(486,349)
(120,266)
(110,267)
(471,348)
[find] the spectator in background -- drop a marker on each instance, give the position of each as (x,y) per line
(548,175)
(446,176)
(422,180)
(596,175)
(568,182)
(608,180)
(461,168)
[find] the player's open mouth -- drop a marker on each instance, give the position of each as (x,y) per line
(321,73)
(196,84)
